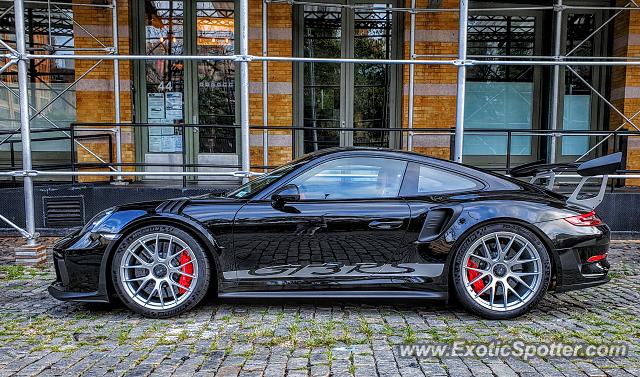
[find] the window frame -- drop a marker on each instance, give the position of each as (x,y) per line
(267,192)
(347,80)
(412,173)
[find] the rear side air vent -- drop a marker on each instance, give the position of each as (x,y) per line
(438,221)
(63,211)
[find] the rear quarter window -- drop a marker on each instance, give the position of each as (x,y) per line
(427,180)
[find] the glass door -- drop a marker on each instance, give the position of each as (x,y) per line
(161,97)
(322,88)
(175,92)
(215,31)
(215,147)
(340,95)
(373,84)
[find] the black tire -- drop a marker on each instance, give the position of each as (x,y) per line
(203,270)
(465,297)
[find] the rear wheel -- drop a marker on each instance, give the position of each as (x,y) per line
(501,271)
(160,271)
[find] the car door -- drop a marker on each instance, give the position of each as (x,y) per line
(432,192)
(345,224)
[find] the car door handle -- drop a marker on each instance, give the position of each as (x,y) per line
(386,224)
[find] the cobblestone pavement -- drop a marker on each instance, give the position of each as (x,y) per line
(41,336)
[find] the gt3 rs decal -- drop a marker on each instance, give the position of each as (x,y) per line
(336,270)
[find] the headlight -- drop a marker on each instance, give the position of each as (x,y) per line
(97,220)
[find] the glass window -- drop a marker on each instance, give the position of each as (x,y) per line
(577,95)
(49,83)
(322,39)
(255,186)
(499,96)
(427,180)
(352,178)
(216,79)
(164,35)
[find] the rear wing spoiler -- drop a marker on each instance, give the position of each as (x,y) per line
(601,166)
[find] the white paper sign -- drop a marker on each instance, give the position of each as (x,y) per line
(168,145)
(173,104)
(155,131)
(155,144)
(177,140)
(155,105)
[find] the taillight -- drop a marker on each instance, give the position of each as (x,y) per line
(586,219)
(597,258)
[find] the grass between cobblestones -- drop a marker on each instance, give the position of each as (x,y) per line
(39,335)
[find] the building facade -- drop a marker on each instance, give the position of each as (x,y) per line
(184,110)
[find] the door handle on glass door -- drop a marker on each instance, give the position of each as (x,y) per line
(386,224)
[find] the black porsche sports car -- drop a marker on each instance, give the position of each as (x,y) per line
(344,223)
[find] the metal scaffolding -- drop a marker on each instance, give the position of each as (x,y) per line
(20,56)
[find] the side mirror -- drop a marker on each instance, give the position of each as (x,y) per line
(286,193)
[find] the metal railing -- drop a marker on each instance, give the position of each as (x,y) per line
(617,141)
(14,156)
(500,162)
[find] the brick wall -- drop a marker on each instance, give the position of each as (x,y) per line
(280,75)
(434,85)
(94,93)
(625,91)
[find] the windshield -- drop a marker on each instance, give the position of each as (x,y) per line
(253,187)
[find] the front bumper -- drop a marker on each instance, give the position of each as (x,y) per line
(59,292)
(78,260)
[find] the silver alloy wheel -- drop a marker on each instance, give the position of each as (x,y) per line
(151,270)
(502,271)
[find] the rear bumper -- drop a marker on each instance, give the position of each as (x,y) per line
(594,282)
(574,246)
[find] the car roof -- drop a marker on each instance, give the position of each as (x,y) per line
(387,152)
(376,150)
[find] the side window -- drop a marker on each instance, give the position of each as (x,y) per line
(426,180)
(352,178)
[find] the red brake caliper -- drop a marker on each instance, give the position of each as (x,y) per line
(471,275)
(184,280)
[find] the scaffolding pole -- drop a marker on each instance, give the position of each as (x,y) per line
(265,88)
(116,90)
(462,76)
(555,83)
(244,87)
(412,74)
(29,210)
(542,61)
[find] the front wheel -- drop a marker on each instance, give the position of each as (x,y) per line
(501,271)
(160,271)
